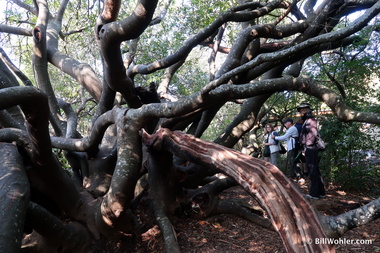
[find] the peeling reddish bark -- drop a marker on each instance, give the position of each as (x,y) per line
(292,216)
(110,10)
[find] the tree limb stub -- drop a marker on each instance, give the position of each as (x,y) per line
(292,216)
(110,11)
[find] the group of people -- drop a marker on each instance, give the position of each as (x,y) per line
(300,140)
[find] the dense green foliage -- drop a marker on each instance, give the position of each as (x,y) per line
(351,159)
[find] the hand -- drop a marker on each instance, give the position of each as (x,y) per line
(272,136)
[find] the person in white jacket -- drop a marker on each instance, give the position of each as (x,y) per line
(290,137)
(273,145)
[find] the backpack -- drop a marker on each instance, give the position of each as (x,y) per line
(297,139)
(319,143)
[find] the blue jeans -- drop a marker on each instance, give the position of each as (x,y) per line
(274,158)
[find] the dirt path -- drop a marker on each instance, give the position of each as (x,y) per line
(228,233)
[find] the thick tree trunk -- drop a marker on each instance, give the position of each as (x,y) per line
(14,198)
(115,218)
(165,193)
(292,216)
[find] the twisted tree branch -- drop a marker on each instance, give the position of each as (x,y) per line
(290,213)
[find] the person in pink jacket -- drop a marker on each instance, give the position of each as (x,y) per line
(308,136)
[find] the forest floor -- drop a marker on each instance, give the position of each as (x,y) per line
(229,233)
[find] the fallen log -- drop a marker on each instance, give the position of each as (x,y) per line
(292,216)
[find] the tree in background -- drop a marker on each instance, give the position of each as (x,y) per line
(121,95)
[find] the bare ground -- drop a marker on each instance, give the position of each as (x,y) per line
(228,233)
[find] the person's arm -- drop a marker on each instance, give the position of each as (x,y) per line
(275,141)
(287,135)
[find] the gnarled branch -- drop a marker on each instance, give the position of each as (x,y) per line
(290,212)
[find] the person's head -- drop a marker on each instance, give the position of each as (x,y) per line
(304,108)
(288,123)
(298,120)
(269,128)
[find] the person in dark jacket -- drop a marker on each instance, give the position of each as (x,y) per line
(300,159)
(308,136)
